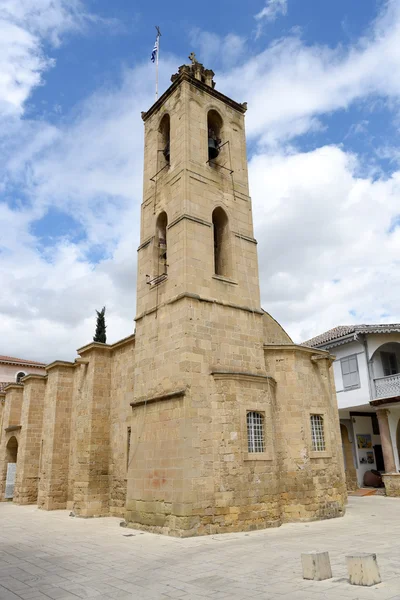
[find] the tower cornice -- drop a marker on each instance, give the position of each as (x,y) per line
(187,76)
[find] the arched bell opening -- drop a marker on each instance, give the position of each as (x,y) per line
(161,244)
(222,246)
(164,141)
(214,128)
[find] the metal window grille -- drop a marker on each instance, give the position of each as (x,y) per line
(255,432)
(317,433)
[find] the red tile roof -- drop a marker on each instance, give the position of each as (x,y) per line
(20,361)
(342,330)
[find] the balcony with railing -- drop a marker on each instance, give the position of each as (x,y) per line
(385,365)
(387,387)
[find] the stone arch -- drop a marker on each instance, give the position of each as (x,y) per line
(386,359)
(215,133)
(222,243)
(12,450)
(164,142)
(349,468)
(19,376)
(160,245)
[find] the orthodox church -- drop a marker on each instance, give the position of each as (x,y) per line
(208,418)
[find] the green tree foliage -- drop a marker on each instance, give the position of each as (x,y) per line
(100,335)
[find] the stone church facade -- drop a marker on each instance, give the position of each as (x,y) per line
(208,419)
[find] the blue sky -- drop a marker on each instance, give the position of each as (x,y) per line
(321,81)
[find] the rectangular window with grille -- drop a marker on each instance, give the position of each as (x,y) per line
(317,433)
(255,432)
(351,378)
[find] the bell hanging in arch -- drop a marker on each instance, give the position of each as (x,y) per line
(213,148)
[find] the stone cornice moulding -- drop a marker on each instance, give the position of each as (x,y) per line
(94,346)
(200,299)
(130,339)
(23,364)
(162,397)
(12,428)
(182,77)
(189,218)
(14,386)
(104,347)
(243,376)
(60,363)
(298,348)
(32,377)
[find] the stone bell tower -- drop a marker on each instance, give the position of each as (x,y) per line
(199,350)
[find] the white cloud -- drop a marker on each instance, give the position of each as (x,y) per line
(227,50)
(291,84)
(272,10)
(325,246)
(24,27)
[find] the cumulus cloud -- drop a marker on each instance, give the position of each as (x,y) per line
(291,85)
(327,226)
(272,10)
(328,241)
(211,47)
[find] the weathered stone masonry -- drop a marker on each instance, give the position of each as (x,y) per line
(160,428)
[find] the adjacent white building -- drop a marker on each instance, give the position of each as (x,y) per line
(367,380)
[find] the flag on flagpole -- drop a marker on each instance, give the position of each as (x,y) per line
(155,51)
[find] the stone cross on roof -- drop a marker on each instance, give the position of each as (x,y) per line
(193,58)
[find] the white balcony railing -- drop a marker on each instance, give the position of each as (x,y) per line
(386,387)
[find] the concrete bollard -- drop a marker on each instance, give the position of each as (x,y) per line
(363,569)
(316,565)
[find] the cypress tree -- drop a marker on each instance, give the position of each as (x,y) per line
(100,335)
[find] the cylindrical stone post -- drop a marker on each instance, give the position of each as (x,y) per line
(316,565)
(386,441)
(363,569)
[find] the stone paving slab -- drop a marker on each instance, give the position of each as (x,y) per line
(52,555)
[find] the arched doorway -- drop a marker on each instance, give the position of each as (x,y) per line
(349,468)
(11,460)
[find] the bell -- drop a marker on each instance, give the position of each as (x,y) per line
(166,152)
(213,148)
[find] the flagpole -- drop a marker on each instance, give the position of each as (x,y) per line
(158,53)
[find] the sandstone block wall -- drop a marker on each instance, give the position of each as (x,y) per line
(27,479)
(11,429)
(54,463)
(121,395)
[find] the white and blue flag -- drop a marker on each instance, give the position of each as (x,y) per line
(155,51)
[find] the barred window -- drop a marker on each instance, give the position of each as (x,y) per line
(317,433)
(255,432)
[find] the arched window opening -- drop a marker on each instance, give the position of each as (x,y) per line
(221,243)
(19,376)
(255,432)
(12,450)
(164,141)
(214,128)
(161,243)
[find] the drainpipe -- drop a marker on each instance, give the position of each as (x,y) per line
(371,383)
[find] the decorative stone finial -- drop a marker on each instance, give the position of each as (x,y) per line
(196,70)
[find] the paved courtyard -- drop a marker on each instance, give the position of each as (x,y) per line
(52,555)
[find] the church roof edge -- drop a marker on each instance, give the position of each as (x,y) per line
(187,76)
